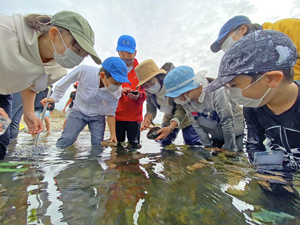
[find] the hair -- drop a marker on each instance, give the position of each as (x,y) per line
(41,23)
(288,75)
(107,74)
(250,27)
(209,79)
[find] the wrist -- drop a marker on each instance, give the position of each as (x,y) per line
(171,128)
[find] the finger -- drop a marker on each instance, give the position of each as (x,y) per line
(159,137)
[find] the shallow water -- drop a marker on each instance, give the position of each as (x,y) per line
(44,184)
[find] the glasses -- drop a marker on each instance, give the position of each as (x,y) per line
(149,83)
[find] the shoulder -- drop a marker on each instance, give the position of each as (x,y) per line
(85,69)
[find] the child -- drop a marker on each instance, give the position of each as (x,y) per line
(129,114)
(218,121)
(151,78)
(98,93)
(259,70)
(69,103)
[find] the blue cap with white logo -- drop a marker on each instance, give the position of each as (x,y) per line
(117,68)
(126,43)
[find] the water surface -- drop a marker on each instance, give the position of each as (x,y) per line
(44,184)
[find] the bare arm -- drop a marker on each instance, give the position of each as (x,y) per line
(35,125)
(111,121)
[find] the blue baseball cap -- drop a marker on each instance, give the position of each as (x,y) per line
(258,52)
(117,68)
(226,28)
(180,80)
(126,43)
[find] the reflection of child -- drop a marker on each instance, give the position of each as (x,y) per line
(259,70)
(218,121)
(98,93)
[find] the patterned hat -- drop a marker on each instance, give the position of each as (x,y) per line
(258,52)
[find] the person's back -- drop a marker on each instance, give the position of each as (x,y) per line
(291,27)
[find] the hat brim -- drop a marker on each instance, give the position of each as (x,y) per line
(125,49)
(87,47)
(181,90)
(160,71)
(215,47)
(218,82)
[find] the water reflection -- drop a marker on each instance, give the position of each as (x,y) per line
(150,185)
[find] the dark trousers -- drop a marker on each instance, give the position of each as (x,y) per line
(189,134)
(6,104)
(131,129)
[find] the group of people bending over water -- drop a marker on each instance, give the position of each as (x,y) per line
(254,97)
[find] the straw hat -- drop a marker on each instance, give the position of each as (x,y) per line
(146,70)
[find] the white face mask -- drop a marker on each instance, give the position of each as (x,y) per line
(227,44)
(236,96)
(155,88)
(112,87)
(69,59)
(180,102)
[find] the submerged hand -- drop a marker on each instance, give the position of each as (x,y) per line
(35,125)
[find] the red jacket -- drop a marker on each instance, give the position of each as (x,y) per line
(128,109)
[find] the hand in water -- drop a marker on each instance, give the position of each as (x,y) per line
(35,125)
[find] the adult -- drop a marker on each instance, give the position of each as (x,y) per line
(129,114)
(40,48)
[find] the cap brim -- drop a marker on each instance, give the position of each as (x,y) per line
(218,82)
(120,79)
(160,71)
(177,92)
(125,49)
(215,47)
(87,47)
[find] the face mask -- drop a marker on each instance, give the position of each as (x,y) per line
(227,44)
(155,88)
(112,87)
(128,62)
(69,59)
(180,102)
(236,96)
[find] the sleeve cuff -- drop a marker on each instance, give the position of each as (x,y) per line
(177,121)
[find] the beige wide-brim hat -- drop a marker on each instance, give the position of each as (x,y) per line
(146,70)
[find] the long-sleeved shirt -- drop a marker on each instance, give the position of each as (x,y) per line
(283,130)
(90,99)
(217,116)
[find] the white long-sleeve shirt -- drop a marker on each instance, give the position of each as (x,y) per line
(90,99)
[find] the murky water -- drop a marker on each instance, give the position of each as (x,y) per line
(151,185)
